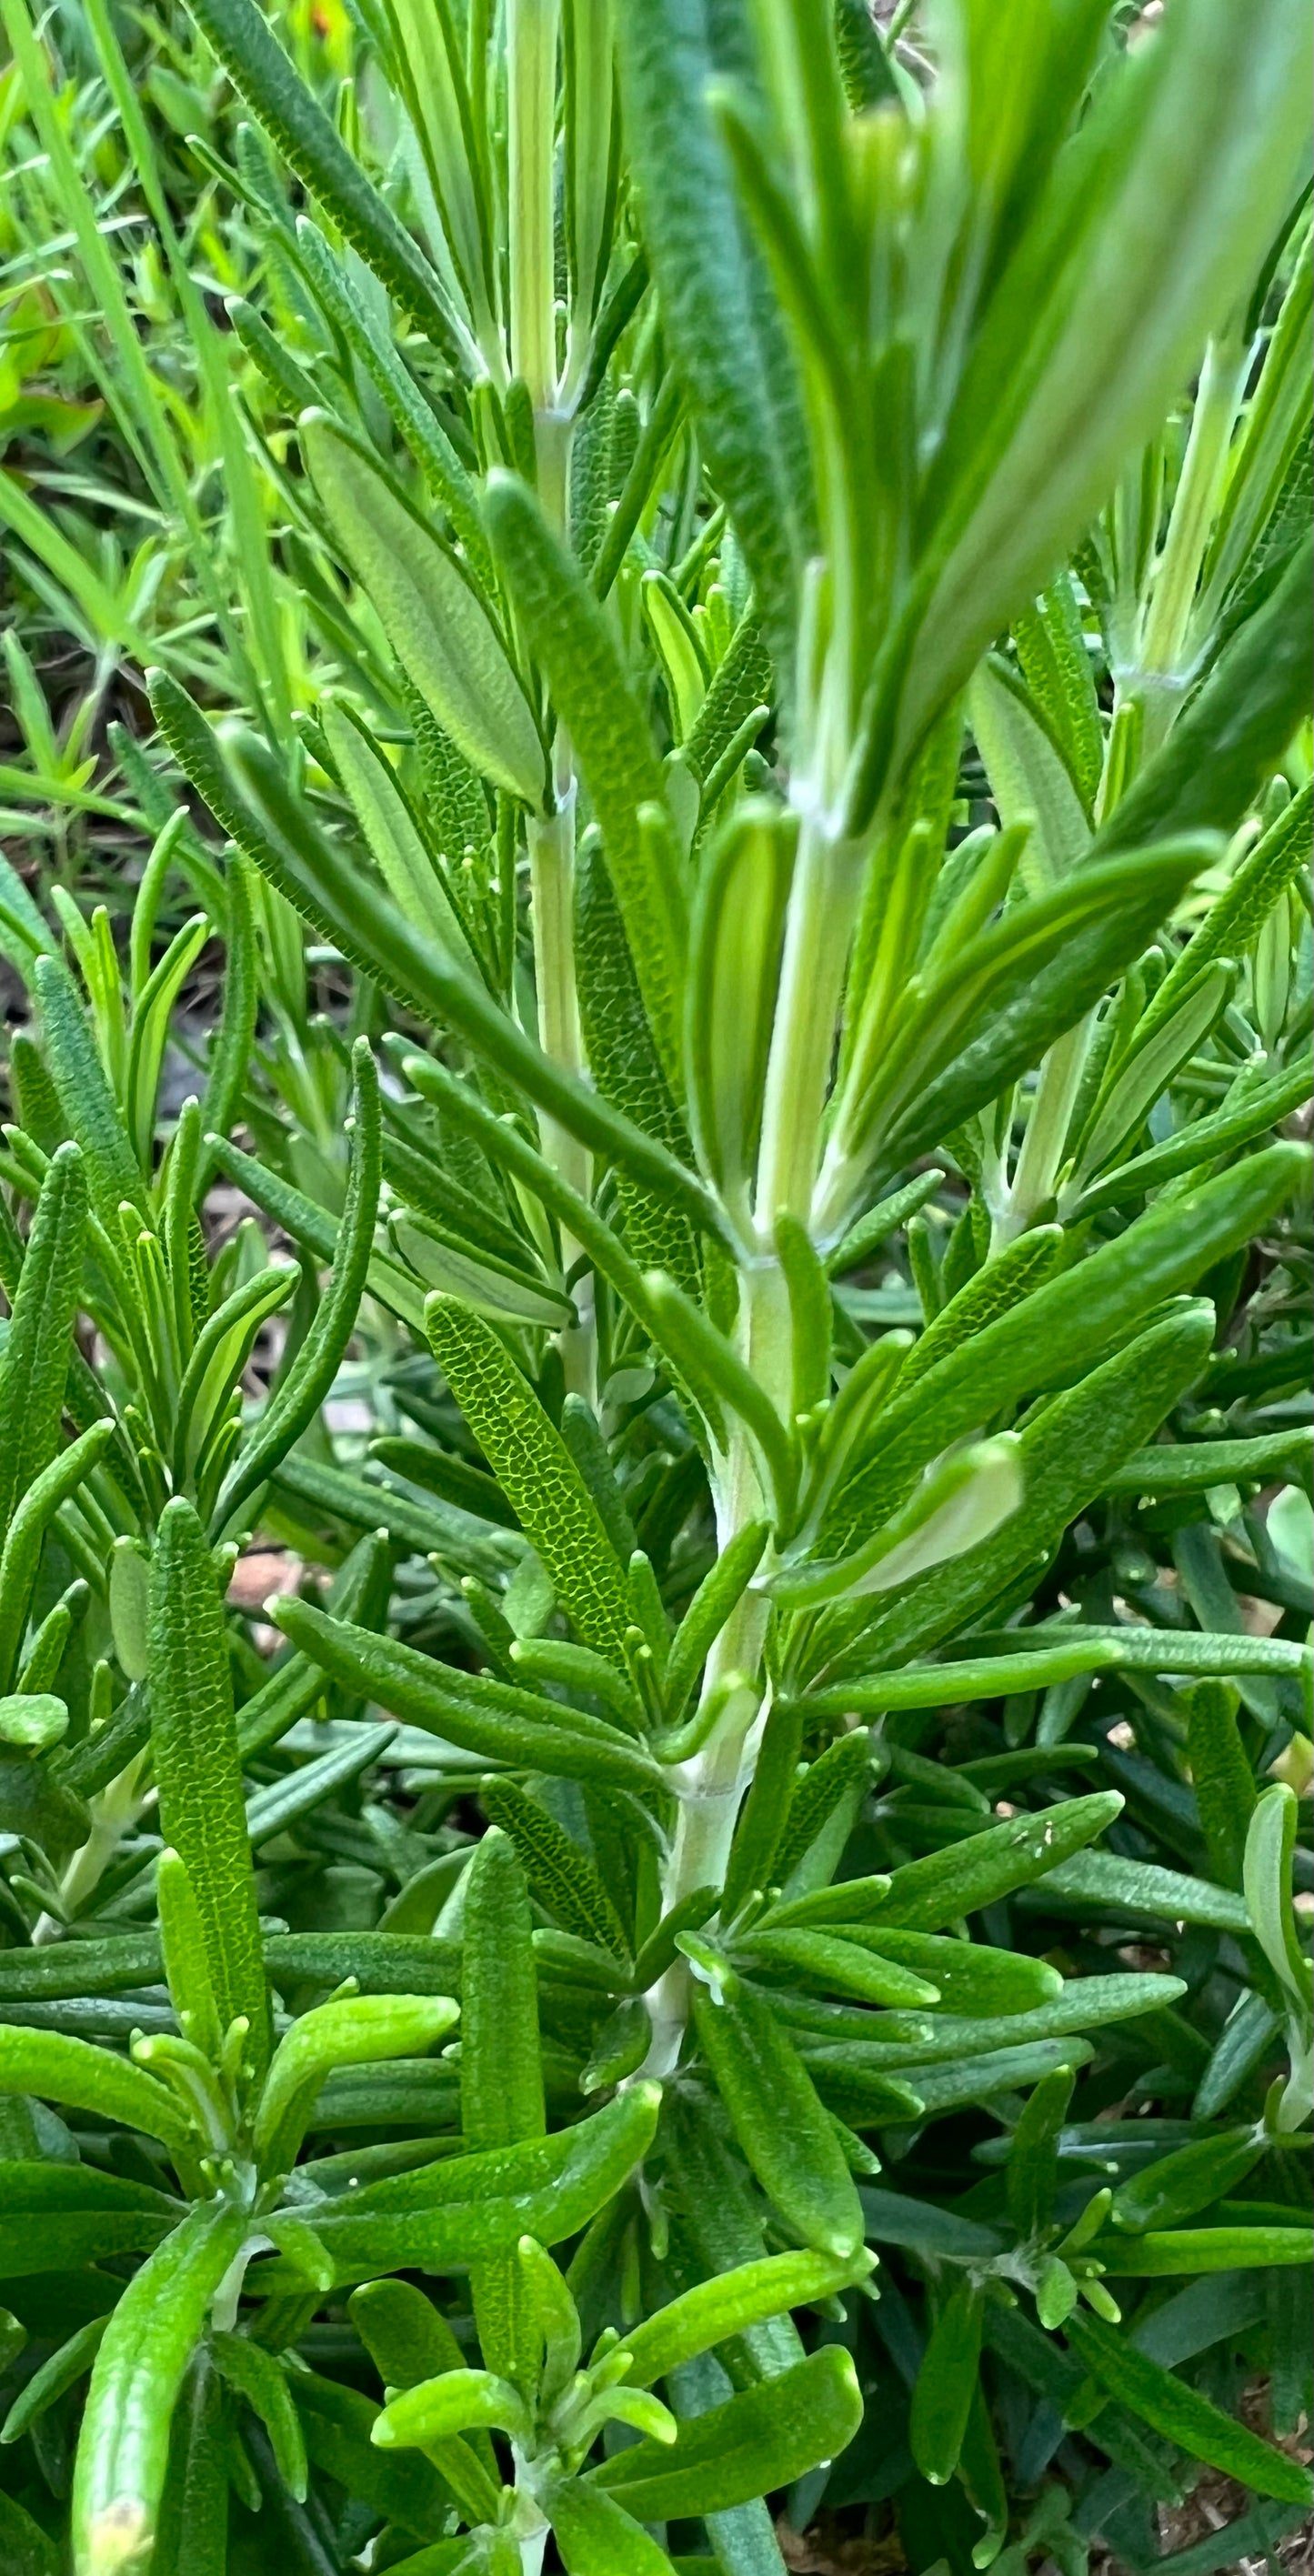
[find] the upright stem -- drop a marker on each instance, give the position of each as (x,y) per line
(821,906)
(1040,1159)
(531,36)
(710,1786)
(532,33)
(709,1789)
(114,1812)
(551,841)
(1163,670)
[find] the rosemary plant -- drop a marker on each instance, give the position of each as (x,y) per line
(792,728)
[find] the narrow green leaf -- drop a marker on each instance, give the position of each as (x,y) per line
(737,2451)
(1235,920)
(294,1406)
(219,1357)
(712,2311)
(194,1749)
(57,2068)
(1182,2415)
(21,1554)
(274,1810)
(823,1810)
(113,1174)
(186,1966)
(415,419)
(993,1290)
(778,2120)
(597,2537)
(35,1359)
(1051,647)
(536,1472)
(1221,1776)
(720,315)
(491,1719)
(624,1063)
(1270,1843)
(716,1374)
(1069,1320)
(560,1875)
(969,1976)
(123,2451)
(1254,1108)
(547,2188)
(62,2371)
(1028,772)
(1122,1107)
(734,966)
(569,635)
(354,2032)
(946,2383)
(1033,2162)
(431,613)
(392,834)
(1204,2250)
(259,2379)
(721,1588)
(265,78)
(830,1964)
(149,1033)
(1026,979)
(1174,2187)
(925,1894)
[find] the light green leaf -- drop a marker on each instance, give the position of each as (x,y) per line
(431,613)
(354,2032)
(957,1507)
(392,835)
(491,1719)
(597,2537)
(739,2451)
(1028,773)
(57,2068)
(21,1555)
(1143,1075)
(734,966)
(297,1400)
(778,2120)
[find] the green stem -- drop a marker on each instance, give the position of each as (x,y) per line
(821,907)
(1161,677)
(551,842)
(531,37)
(113,1814)
(1039,1161)
(710,1788)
